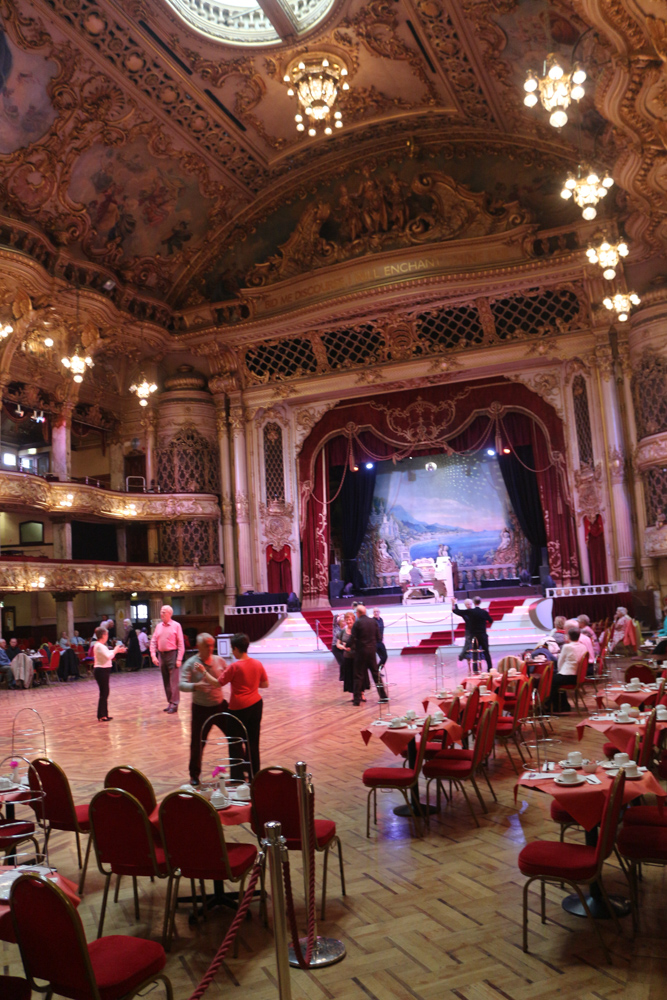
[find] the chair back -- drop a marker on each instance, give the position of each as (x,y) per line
(55,659)
(610,817)
(122,834)
(544,684)
(454,710)
(133,781)
(492,713)
(640,670)
(522,703)
(509,663)
(57,806)
(50,937)
(275,796)
(193,837)
(645,754)
(582,668)
(502,688)
(421,750)
(470,711)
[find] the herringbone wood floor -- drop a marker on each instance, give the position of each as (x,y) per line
(424,918)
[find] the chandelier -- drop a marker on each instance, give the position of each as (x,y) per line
(621,304)
(5,330)
(607,255)
(587,190)
(143,389)
(557,89)
(77,364)
(315,80)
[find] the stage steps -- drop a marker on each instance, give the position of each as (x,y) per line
(325,618)
(512,626)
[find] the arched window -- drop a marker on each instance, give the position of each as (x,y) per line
(582,421)
(274,470)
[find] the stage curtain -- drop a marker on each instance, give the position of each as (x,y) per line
(523,491)
(279,568)
(315,531)
(356,501)
(596,549)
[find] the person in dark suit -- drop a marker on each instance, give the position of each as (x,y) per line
(477,620)
(365,637)
(381,648)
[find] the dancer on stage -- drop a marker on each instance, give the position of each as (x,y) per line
(477,619)
(167,650)
(365,637)
(102,660)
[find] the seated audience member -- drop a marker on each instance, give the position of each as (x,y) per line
(13,649)
(623,634)
(568,658)
(584,624)
(63,641)
(558,633)
(6,673)
(77,640)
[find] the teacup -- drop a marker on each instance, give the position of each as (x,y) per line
(634,682)
(483,689)
(442,694)
(623,717)
(460,689)
(5,782)
(410,715)
(631,769)
(243,792)
(633,711)
(575,758)
(395,723)
(438,716)
(569,775)
(621,759)
(218,800)
(590,768)
(661,713)
(625,707)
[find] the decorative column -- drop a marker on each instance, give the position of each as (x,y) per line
(617,458)
(150,426)
(155,602)
(64,612)
(222,428)
(61,443)
(117,464)
(122,610)
(62,538)
(241,500)
(153,544)
(121,543)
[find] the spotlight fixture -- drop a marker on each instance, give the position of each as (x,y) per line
(506,451)
(38,416)
(19,412)
(143,389)
(369,465)
(5,330)
(621,304)
(587,190)
(607,255)
(556,88)
(355,468)
(490,452)
(315,79)
(430,467)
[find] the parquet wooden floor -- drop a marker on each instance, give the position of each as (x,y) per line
(426,919)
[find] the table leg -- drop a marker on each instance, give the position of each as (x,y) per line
(414,794)
(594,899)
(216,898)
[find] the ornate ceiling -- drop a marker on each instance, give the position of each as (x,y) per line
(162,168)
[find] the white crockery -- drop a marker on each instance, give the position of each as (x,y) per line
(620,759)
(569,775)
(575,757)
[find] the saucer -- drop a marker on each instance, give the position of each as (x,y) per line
(403,725)
(623,722)
(566,763)
(580,781)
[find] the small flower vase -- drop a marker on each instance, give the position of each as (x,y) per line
(14,774)
(221,786)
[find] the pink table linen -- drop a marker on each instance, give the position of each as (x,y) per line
(397,740)
(6,925)
(585,803)
(235,814)
(634,698)
(621,734)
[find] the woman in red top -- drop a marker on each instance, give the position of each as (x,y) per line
(246,676)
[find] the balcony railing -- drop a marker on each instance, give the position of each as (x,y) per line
(65,575)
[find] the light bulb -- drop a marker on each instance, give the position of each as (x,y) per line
(311,131)
(608,303)
(609,273)
(346,86)
(78,378)
(579,75)
(604,246)
(290,92)
(328,130)
(298,118)
(48,342)
(622,317)
(634,299)
(325,63)
(558,119)
(592,255)
(337,114)
(339,124)
(300,127)
(301,65)
(343,72)
(530,85)
(555,71)
(577,93)
(143,402)
(570,183)
(566,193)
(622,249)
(592,178)
(607,181)
(286,78)
(530,100)
(589,213)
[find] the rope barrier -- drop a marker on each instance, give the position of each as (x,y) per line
(231,933)
(304,962)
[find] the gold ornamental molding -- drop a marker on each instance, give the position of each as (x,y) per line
(59,577)
(651,451)
(655,541)
(19,490)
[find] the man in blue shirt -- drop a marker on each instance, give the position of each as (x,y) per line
(6,672)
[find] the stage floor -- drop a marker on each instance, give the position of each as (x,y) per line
(427,919)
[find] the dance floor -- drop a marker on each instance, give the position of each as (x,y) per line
(423,918)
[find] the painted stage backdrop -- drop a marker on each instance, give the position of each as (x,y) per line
(439,505)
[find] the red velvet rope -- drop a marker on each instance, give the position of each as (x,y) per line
(231,933)
(304,963)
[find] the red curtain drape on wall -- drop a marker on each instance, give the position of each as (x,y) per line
(279,569)
(596,549)
(315,530)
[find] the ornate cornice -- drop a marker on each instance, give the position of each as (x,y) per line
(63,577)
(19,491)
(651,451)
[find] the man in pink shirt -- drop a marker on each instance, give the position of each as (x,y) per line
(167,648)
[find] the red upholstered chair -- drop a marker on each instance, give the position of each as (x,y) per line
(454,710)
(51,662)
(469,716)
(509,663)
(275,798)
(136,783)
(124,841)
(642,840)
(543,689)
(640,670)
(195,848)
(399,779)
(460,766)
(577,684)
(57,808)
(493,712)
(53,949)
(574,864)
(510,728)
(13,988)
(13,833)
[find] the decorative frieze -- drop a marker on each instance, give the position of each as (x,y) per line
(71,578)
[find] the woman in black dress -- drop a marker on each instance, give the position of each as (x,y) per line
(134,656)
(347,668)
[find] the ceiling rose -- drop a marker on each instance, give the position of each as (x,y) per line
(252,22)
(315,79)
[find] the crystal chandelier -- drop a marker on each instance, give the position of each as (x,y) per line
(621,304)
(557,89)
(607,255)
(587,190)
(143,389)
(5,330)
(315,79)
(77,364)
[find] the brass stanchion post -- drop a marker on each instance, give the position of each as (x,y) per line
(274,844)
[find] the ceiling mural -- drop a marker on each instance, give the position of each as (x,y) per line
(26,109)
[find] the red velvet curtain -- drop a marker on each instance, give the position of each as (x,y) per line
(279,568)
(315,530)
(597,557)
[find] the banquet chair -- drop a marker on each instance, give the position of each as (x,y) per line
(510,728)
(640,670)
(195,848)
(640,747)
(469,716)
(454,710)
(510,663)
(492,712)
(12,834)
(458,769)
(51,664)
(14,988)
(400,779)
(540,694)
(550,861)
(53,949)
(578,683)
(641,844)
(136,783)
(56,809)
(275,796)
(123,840)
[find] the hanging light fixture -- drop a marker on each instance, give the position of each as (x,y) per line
(5,330)
(556,88)
(607,255)
(143,389)
(621,304)
(78,362)
(587,189)
(315,80)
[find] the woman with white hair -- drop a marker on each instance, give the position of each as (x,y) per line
(623,638)
(584,626)
(134,657)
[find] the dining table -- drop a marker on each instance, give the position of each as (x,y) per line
(6,925)
(585,803)
(621,734)
(620,693)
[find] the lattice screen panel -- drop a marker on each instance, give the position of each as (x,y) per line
(189,543)
(450,328)
(189,464)
(358,346)
(582,420)
(547,312)
(655,481)
(274,471)
(284,359)
(649,386)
